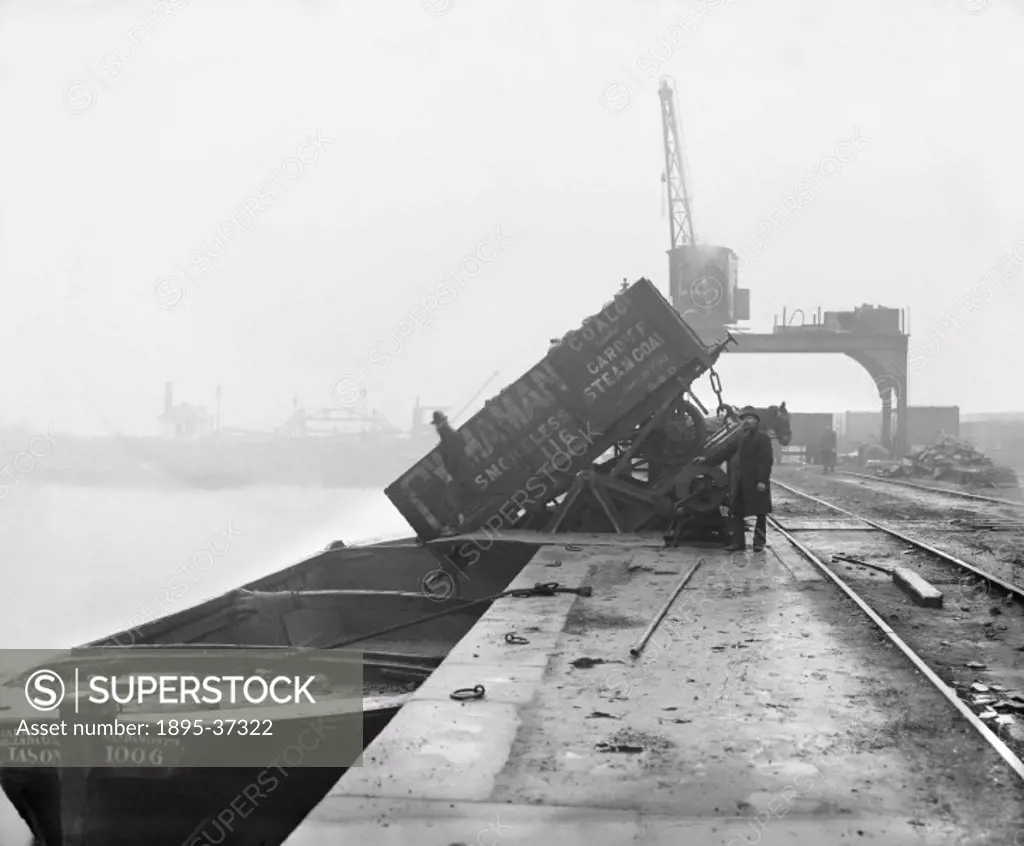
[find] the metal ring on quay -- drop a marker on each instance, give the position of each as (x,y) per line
(468,693)
(512,637)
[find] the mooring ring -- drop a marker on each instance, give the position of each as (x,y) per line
(476,692)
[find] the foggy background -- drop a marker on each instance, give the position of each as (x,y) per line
(443,124)
(448,125)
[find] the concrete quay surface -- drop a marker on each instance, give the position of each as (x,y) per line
(765,709)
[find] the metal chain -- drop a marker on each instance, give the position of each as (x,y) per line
(716,386)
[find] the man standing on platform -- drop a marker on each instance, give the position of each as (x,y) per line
(828,449)
(750,468)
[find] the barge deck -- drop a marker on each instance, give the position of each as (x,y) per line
(765,709)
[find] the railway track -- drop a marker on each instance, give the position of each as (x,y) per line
(971,649)
(977,572)
(934,490)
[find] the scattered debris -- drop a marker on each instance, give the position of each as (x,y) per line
(601,715)
(993,699)
(589,663)
(1015,731)
(955,460)
(618,747)
(860,562)
(632,742)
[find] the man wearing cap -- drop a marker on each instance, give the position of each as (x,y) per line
(456,463)
(828,449)
(750,469)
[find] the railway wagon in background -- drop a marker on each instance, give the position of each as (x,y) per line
(924,422)
(807,430)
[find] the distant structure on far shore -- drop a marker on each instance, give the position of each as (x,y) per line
(184,420)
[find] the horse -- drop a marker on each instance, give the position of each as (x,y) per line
(774,423)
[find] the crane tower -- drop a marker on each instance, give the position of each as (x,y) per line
(702,277)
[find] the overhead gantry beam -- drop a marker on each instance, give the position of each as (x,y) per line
(883,355)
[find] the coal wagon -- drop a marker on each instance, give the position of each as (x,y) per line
(589,437)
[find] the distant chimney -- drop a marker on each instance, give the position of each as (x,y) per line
(168,397)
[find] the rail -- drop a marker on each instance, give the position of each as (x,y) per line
(919,663)
(962,494)
(989,578)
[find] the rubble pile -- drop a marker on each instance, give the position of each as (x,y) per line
(954,460)
(995,703)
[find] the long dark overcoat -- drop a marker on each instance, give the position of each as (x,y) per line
(750,461)
(461,489)
(456,462)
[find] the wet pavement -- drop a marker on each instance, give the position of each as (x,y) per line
(765,709)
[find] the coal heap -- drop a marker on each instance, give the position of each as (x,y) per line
(954,460)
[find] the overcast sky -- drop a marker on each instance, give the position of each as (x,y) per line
(437,131)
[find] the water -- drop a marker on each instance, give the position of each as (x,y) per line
(79,563)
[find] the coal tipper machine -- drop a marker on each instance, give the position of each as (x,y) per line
(598,436)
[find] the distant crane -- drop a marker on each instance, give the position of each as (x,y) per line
(417,414)
(680,219)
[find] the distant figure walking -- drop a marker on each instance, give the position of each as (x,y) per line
(453,454)
(750,469)
(828,449)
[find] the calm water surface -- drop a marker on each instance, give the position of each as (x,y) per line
(79,563)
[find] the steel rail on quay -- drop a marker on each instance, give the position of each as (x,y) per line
(1011,589)
(1004,752)
(949,692)
(995,500)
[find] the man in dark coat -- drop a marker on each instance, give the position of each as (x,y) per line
(456,463)
(828,449)
(750,469)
